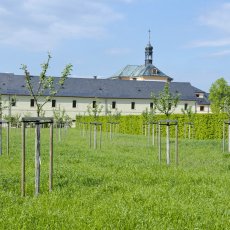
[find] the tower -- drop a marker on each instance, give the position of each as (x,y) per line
(148,52)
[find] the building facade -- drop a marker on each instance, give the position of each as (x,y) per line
(128,91)
(128,97)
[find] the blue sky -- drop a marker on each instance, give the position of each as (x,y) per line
(191,38)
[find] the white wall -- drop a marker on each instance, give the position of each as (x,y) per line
(123,105)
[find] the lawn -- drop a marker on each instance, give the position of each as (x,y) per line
(120,186)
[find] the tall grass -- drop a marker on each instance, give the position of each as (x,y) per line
(121,186)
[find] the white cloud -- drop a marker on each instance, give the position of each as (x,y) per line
(222,53)
(118,51)
(211,43)
(44,23)
(218,18)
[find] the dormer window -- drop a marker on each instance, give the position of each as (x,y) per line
(200,95)
(154,71)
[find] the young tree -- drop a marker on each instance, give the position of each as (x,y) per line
(113,115)
(226,107)
(47,88)
(190,117)
(166,102)
(189,113)
(60,117)
(219,92)
(95,109)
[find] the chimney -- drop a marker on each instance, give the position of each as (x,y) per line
(95,77)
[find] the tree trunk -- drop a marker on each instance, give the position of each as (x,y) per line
(168,144)
(37,159)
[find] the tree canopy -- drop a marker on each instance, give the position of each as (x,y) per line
(165,102)
(219,94)
(47,88)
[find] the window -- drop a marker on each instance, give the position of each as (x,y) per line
(151,105)
(74,104)
(113,104)
(132,105)
(94,104)
(197,95)
(201,108)
(185,106)
(13,102)
(31,102)
(170,106)
(53,103)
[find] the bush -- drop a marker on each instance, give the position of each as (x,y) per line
(206,126)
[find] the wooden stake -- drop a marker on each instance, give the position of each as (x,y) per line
(223,143)
(148,134)
(159,144)
(90,135)
(153,135)
(167,144)
(23,178)
(51,159)
(176,145)
(100,135)
(8,138)
(37,159)
(95,136)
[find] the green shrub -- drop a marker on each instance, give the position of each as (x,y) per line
(206,126)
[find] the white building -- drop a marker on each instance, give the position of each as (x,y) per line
(129,97)
(129,91)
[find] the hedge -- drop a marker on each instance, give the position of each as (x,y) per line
(206,126)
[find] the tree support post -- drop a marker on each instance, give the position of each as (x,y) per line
(226,122)
(23,178)
(168,143)
(168,123)
(95,125)
(51,159)
(159,142)
(7,137)
(38,121)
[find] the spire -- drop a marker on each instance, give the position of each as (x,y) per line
(149,36)
(148,51)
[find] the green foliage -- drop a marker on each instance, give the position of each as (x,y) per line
(13,119)
(165,102)
(226,106)
(4,105)
(219,93)
(189,113)
(206,126)
(148,116)
(95,110)
(121,186)
(114,115)
(46,88)
(60,117)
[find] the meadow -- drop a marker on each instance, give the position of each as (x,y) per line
(120,186)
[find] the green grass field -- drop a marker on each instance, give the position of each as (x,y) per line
(121,186)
